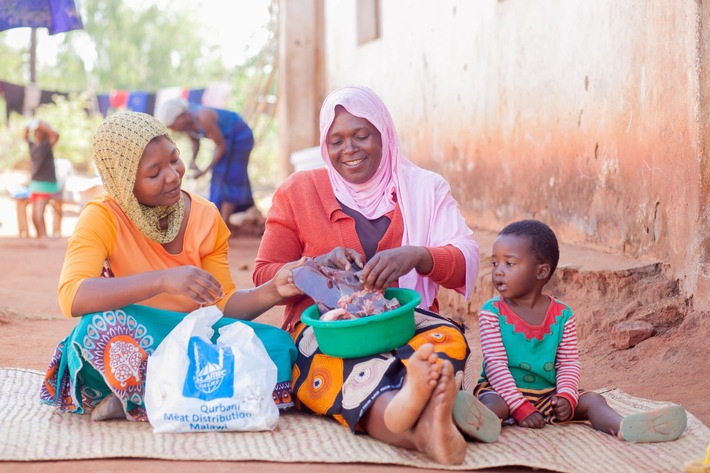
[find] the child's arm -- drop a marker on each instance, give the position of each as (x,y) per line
(247,304)
(568,367)
(496,364)
(49,133)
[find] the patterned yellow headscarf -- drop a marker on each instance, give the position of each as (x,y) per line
(119,143)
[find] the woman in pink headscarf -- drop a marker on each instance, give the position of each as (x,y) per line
(372,207)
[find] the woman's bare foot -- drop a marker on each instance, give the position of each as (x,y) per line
(110,407)
(435,433)
(423,371)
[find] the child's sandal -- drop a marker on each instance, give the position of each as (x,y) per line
(659,425)
(475,419)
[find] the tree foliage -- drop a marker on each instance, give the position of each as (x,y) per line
(146,49)
(12,64)
(142,48)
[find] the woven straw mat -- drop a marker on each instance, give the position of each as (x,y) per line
(31,432)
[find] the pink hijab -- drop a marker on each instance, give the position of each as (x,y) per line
(431,215)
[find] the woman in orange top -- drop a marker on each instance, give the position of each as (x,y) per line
(374,208)
(142,256)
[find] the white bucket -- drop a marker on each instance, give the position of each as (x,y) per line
(308,158)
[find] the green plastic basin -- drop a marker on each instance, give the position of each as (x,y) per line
(369,335)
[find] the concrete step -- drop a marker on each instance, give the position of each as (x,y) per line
(585,278)
(575,257)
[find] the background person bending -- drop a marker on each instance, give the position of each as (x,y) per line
(230,189)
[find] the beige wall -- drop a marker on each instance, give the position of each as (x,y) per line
(702,287)
(586,115)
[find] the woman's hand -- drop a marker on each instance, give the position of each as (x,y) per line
(193,282)
(389,265)
(341,258)
(533,421)
(561,407)
(283,280)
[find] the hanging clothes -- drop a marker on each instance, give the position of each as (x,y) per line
(48,96)
(216,95)
(118,99)
(14,98)
(195,95)
(104,103)
(167,93)
(138,101)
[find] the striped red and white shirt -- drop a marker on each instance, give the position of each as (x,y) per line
(519,355)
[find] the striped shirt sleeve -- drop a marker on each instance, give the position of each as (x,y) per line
(496,365)
(567,363)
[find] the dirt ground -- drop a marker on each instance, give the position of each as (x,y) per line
(670,366)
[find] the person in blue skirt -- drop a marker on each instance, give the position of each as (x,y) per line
(230,189)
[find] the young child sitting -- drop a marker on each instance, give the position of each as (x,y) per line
(531,363)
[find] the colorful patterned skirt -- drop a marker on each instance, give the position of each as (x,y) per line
(107,353)
(345,388)
(540,398)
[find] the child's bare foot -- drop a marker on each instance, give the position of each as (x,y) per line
(423,371)
(435,434)
(659,425)
(109,408)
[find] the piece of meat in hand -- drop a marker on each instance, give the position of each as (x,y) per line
(333,288)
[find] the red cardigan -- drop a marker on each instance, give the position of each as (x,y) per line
(305,219)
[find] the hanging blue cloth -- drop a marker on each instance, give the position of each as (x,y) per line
(138,102)
(104,103)
(195,95)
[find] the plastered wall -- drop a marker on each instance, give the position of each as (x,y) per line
(590,116)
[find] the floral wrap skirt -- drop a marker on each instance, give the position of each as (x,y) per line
(107,353)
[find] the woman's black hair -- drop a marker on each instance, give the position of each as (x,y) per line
(543,242)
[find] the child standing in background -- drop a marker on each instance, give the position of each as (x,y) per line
(531,363)
(41,139)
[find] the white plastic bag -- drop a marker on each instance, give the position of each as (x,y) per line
(193,385)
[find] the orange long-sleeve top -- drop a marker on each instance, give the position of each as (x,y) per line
(306,219)
(104,233)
